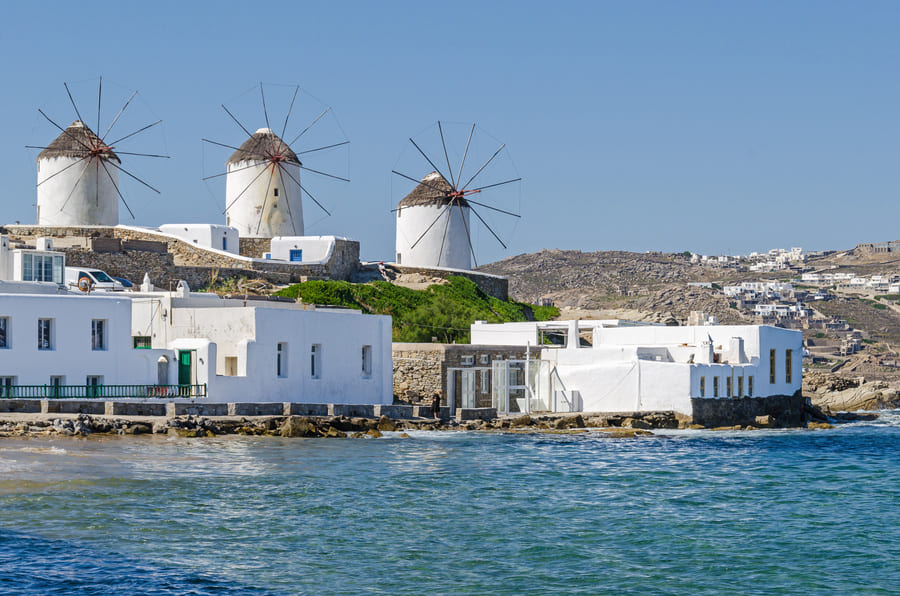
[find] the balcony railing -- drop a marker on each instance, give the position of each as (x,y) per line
(101,391)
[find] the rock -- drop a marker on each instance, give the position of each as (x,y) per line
(403,436)
(636,423)
(374,433)
(767,421)
(385,424)
(521,421)
(818,426)
(297,426)
(335,433)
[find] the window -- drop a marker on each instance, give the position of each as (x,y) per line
(702,386)
(484,359)
(141,342)
(367,361)
(771,367)
(485,381)
(275,191)
(281,360)
(6,385)
(98,334)
(398,258)
(4,332)
(467,360)
(295,255)
(728,384)
(788,354)
(715,386)
(45,334)
(94,383)
(224,243)
(740,391)
(315,358)
(37,267)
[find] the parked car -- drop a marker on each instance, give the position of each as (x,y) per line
(125,283)
(87,280)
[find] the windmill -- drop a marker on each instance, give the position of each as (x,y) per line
(434,224)
(263,186)
(78,173)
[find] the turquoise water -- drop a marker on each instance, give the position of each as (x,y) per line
(687,512)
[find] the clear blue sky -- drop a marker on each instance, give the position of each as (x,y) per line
(707,126)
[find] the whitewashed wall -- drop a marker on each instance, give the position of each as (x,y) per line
(316,249)
(82,195)
(206,235)
(434,249)
(258,213)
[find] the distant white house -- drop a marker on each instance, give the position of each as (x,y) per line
(213,236)
(647,368)
(303,249)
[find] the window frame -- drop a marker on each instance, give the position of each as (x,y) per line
(366,361)
(315,361)
(99,335)
(5,339)
(788,366)
(281,360)
(772,359)
(50,344)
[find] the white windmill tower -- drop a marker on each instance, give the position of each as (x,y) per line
(78,173)
(434,226)
(77,180)
(263,191)
(262,188)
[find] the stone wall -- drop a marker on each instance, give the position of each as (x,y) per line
(194,264)
(787,410)
(255,247)
(492,285)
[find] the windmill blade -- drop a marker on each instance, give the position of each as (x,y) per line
(328,109)
(249,184)
(323,174)
(65,132)
(492,208)
(129,174)
(73,103)
(432,164)
(99,95)
(253,165)
(228,146)
(440,190)
(116,119)
(141,154)
(468,236)
(323,148)
(287,200)
(446,157)
(134,133)
(463,162)
(493,185)
(431,225)
(116,186)
(496,153)
(74,186)
(488,227)
(73,164)
(309,194)
(262,210)
(290,109)
(265,111)
(238,122)
(443,239)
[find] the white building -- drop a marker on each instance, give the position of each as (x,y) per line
(648,368)
(262,188)
(303,249)
(77,179)
(433,228)
(39,264)
(213,236)
(181,344)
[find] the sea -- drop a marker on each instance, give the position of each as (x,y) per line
(679,512)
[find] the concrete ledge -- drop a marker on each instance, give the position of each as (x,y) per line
(476,413)
(292,409)
(135,408)
(256,409)
(351,410)
(425,412)
(20,405)
(393,411)
(73,406)
(193,409)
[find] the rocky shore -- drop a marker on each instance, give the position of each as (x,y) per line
(833,393)
(611,425)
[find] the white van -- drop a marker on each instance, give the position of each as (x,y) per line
(97,281)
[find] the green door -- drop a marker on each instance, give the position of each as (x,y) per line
(185,361)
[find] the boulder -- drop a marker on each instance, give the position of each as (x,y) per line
(818,426)
(766,421)
(521,421)
(374,433)
(385,424)
(297,426)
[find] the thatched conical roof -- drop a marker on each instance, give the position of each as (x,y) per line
(77,141)
(261,147)
(433,190)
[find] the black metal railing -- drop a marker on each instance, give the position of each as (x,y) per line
(100,391)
